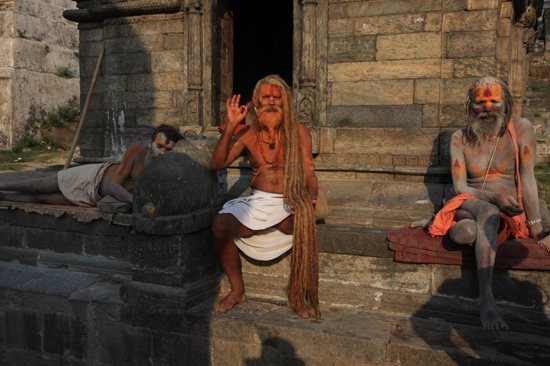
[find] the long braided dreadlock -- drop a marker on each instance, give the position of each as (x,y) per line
(304,273)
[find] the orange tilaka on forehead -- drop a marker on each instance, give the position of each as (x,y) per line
(488,92)
(161,139)
(271,91)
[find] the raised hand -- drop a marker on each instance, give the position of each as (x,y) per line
(235,113)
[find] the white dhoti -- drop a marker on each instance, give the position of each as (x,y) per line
(260,211)
(80,184)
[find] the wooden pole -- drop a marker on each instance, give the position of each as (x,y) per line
(83,116)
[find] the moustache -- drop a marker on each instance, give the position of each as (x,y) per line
(483,115)
(271,108)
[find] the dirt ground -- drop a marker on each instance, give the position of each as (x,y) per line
(34,170)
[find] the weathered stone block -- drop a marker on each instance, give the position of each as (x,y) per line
(381,273)
(155,117)
(167,61)
(357,339)
(90,49)
(391,141)
(174,41)
(451,115)
(336,11)
(386,92)
(326,140)
(375,8)
(481,20)
(23,329)
(454,91)
(397,24)
(135,63)
(430,116)
(174,260)
(377,70)
(142,100)
(505,28)
(122,344)
(503,49)
(375,116)
(475,67)
(340,28)
(351,49)
(173,24)
(471,44)
(507,10)
(409,46)
(44,30)
(64,335)
(155,81)
(426,91)
(172,348)
(134,44)
(90,35)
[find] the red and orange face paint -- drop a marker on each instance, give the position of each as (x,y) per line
(488,93)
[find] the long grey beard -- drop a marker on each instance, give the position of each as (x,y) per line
(487,130)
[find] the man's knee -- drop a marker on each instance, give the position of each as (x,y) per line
(221,226)
(464,232)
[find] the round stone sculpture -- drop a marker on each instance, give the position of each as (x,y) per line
(176,183)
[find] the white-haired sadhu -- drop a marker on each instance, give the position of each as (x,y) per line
(492,162)
(279,214)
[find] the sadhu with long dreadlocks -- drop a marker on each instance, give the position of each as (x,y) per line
(279,214)
(492,162)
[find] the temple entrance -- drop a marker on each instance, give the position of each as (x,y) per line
(262,43)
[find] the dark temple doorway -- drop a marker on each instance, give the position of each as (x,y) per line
(262,43)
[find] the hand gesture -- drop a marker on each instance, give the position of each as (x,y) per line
(235,113)
(507,204)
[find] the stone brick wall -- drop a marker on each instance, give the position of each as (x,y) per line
(36,42)
(399,71)
(141,82)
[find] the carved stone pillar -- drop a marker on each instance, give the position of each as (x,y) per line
(194,97)
(518,69)
(307,98)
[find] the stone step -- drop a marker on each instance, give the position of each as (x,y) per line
(51,316)
(262,334)
(367,217)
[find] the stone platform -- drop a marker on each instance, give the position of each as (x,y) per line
(53,316)
(101,293)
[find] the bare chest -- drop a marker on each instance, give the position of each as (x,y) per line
(493,160)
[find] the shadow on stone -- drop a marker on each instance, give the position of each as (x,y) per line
(276,351)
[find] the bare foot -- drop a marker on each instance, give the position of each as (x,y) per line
(491,319)
(421,224)
(545,243)
(229,301)
(303,311)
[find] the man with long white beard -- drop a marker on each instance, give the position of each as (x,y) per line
(492,162)
(86,185)
(279,214)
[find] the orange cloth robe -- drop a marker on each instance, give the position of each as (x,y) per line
(512,226)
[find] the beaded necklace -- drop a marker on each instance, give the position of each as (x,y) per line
(276,157)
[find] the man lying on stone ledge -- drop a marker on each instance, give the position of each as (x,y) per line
(492,162)
(279,214)
(85,185)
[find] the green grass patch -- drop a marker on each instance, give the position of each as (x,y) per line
(64,72)
(63,114)
(19,157)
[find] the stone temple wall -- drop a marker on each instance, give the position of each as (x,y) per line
(35,43)
(380,83)
(398,73)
